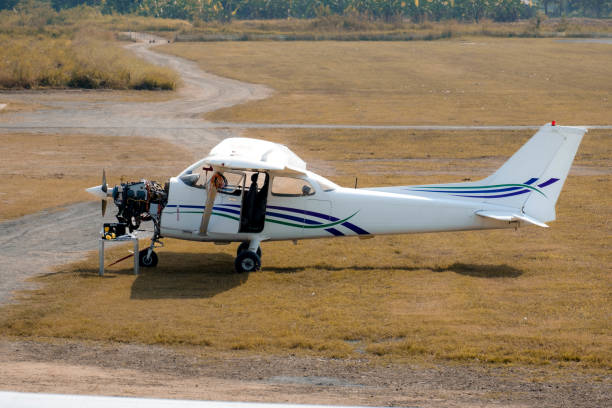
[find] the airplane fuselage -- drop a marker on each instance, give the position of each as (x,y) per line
(337,212)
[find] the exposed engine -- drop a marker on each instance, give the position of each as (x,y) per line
(139,201)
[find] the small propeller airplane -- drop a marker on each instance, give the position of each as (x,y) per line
(250,191)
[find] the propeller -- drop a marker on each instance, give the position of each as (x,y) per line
(104,188)
(100,191)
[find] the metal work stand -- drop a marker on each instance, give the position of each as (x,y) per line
(124,238)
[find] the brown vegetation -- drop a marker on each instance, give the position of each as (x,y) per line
(475,81)
(31,62)
(532,296)
(74,48)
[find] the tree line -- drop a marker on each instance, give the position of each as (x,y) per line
(387,10)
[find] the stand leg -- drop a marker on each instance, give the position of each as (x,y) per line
(101,255)
(136,257)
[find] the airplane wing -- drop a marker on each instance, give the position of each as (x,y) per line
(239,153)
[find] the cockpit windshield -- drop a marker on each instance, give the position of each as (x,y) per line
(197,177)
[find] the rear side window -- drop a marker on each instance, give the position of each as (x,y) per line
(291,187)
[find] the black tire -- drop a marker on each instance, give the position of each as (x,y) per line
(244,246)
(147,262)
(247,261)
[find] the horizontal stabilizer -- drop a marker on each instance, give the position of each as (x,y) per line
(510,216)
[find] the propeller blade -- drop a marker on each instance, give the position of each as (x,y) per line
(104,186)
(103,207)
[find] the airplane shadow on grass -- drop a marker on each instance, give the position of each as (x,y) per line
(198,276)
(474,270)
(187,276)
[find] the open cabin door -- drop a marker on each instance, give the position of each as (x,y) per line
(254,203)
(239,205)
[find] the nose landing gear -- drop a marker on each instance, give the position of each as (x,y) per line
(147,257)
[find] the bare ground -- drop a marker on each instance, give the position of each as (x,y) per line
(137,370)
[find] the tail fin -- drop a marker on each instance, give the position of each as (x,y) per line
(540,166)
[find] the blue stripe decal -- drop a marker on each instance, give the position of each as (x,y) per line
(500,190)
(332,231)
(226,210)
(549,182)
(348,225)
(486,192)
(494,196)
(355,228)
(335,232)
(293,218)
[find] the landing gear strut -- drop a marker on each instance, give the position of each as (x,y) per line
(245,246)
(249,257)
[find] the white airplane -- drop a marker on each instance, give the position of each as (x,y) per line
(251,191)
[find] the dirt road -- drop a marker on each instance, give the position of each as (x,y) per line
(138,370)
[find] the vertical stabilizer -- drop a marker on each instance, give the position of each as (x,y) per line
(541,165)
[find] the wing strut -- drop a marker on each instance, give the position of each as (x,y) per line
(214,184)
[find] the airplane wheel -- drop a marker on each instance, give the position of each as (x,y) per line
(244,246)
(247,261)
(147,262)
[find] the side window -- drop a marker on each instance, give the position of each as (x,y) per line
(233,183)
(291,187)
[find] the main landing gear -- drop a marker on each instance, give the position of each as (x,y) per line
(248,259)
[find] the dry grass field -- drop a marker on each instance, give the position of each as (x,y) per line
(468,81)
(353,27)
(84,62)
(532,296)
(45,171)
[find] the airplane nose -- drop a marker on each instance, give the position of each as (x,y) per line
(97,191)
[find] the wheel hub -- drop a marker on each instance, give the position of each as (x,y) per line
(248,264)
